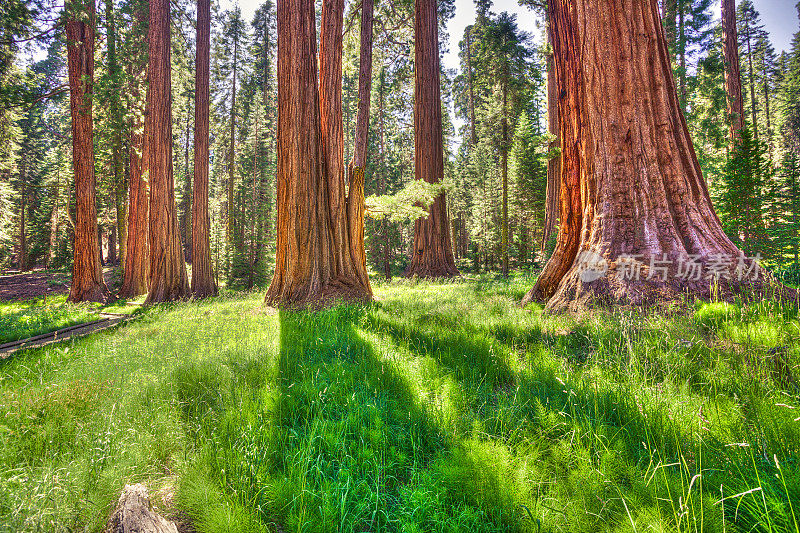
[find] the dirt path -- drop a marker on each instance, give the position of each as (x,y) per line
(15,286)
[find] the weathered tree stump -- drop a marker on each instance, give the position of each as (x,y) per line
(135,515)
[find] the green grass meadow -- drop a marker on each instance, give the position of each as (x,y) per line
(442,407)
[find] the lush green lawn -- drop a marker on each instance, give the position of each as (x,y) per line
(443,407)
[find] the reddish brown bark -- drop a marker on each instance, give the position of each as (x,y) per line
(168,279)
(554,164)
(87,275)
(330,109)
(302,264)
(733,77)
(355,197)
(203,283)
(136,274)
(432,252)
(631,188)
(312,260)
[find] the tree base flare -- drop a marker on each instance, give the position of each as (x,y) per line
(97,292)
(646,287)
(313,297)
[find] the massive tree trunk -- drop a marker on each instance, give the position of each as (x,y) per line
(120,185)
(635,210)
(354,251)
(168,279)
(136,274)
(87,275)
(553,165)
(346,207)
(302,264)
(432,252)
(733,78)
(330,109)
(202,277)
(307,262)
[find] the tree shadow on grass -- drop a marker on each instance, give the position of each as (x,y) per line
(538,400)
(348,445)
(363,450)
(482,364)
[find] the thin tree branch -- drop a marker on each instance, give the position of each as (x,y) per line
(32,38)
(58,90)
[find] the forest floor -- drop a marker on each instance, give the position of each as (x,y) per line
(441,407)
(17,286)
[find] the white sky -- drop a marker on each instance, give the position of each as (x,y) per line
(464,16)
(779,17)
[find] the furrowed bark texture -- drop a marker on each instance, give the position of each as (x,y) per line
(87,275)
(168,280)
(330,109)
(631,188)
(553,165)
(136,275)
(313,261)
(433,252)
(355,196)
(733,77)
(203,283)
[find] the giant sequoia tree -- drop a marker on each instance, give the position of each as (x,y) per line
(313,261)
(87,275)
(168,279)
(433,251)
(137,264)
(634,205)
(202,276)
